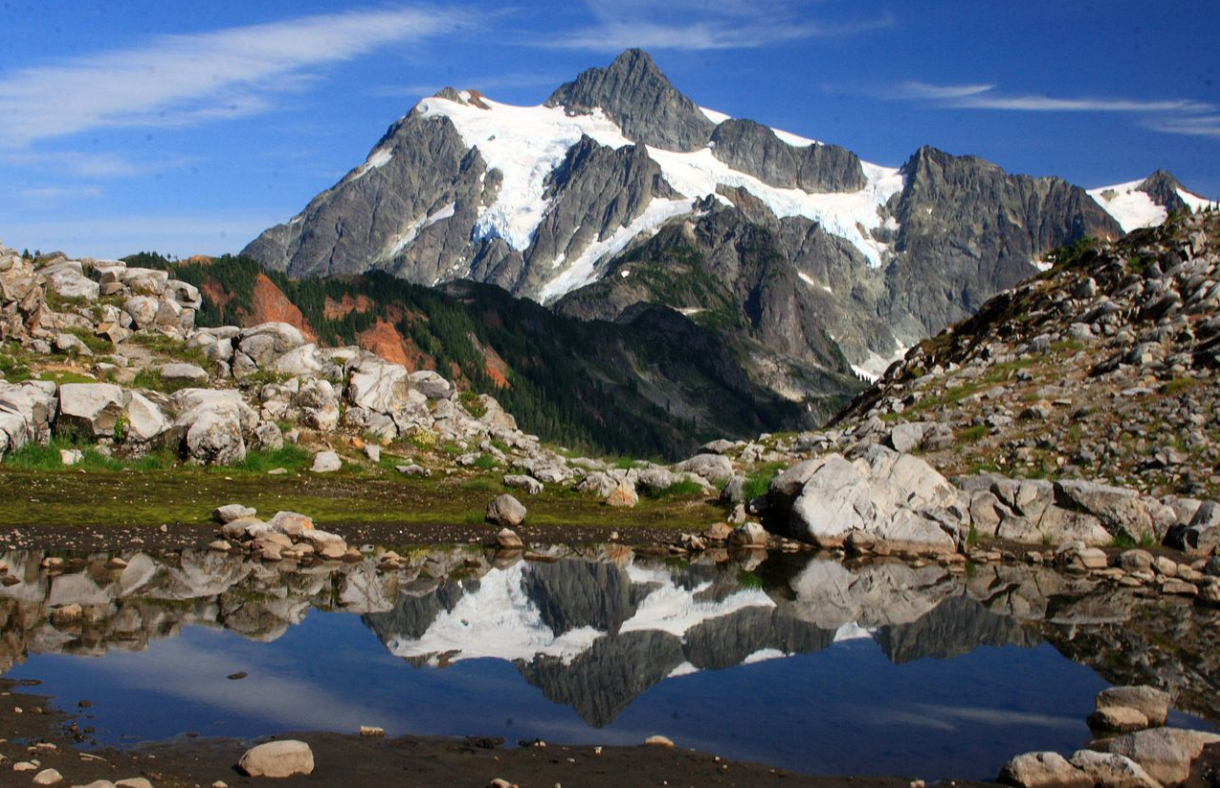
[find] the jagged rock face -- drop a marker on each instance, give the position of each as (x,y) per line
(1163,188)
(969,230)
(419,167)
(955,627)
(753,148)
(634,93)
(595,191)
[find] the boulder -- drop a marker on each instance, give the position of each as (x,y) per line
(749,535)
(146,281)
(382,387)
(145,420)
(835,499)
(1118,509)
(184,294)
(326,462)
(1108,770)
(1119,719)
(183,373)
(528,483)
(232,511)
(27,410)
(715,468)
(1151,702)
(90,409)
(430,384)
(142,310)
(303,361)
(505,510)
(908,436)
(277,759)
(1164,753)
(623,495)
(267,341)
(1043,770)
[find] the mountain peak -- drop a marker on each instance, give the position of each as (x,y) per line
(635,94)
(1163,188)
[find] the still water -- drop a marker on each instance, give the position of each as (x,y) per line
(790,661)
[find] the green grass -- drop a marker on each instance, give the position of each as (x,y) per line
(61,376)
(33,457)
(92,341)
(168,346)
(684,488)
(758,482)
(13,369)
(484,462)
(627,463)
(973,434)
(1179,386)
(748,580)
(290,458)
(473,404)
(152,380)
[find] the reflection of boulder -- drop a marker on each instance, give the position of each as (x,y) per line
(830,595)
(955,627)
(603,681)
(573,593)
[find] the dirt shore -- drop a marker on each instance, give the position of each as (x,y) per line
(364,762)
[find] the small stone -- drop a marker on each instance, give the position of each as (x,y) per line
(372,731)
(232,511)
(658,741)
(373,452)
(277,759)
(133,782)
(1121,719)
(500,782)
(25,766)
(48,777)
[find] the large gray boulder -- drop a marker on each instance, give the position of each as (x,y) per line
(835,499)
(382,387)
(215,423)
(145,419)
(431,384)
(716,468)
(1119,510)
(1043,770)
(90,409)
(263,343)
(505,510)
(1164,753)
(27,410)
(1153,703)
(1108,770)
(278,759)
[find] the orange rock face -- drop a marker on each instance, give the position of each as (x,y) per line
(271,305)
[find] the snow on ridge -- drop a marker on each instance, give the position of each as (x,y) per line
(584,269)
(1196,202)
(413,229)
(377,159)
(876,364)
(714,116)
(1129,206)
(526,144)
(850,215)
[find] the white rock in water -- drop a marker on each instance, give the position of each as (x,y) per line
(277,759)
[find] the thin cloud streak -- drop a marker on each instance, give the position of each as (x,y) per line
(691,26)
(181,80)
(987,97)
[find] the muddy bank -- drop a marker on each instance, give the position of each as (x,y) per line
(360,762)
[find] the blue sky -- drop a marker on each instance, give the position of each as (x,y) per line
(190,127)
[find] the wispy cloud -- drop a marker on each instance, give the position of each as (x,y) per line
(687,25)
(1172,116)
(988,97)
(184,79)
(43,195)
(1198,126)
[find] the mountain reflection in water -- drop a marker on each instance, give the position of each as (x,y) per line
(785,659)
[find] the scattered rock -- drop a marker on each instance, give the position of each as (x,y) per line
(1043,770)
(277,759)
(658,741)
(505,510)
(326,462)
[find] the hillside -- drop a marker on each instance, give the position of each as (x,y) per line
(651,383)
(1102,367)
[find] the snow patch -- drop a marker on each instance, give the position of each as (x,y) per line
(1196,202)
(685,669)
(714,116)
(585,270)
(689,311)
(876,364)
(795,140)
(762,655)
(807,279)
(849,215)
(852,631)
(1129,206)
(377,159)
(412,231)
(525,144)
(495,620)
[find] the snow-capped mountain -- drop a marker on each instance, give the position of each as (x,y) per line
(619,190)
(1147,203)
